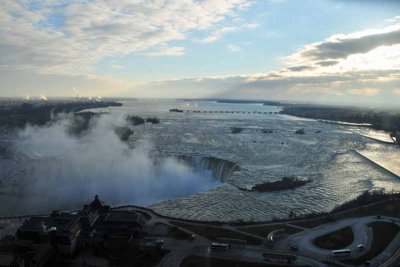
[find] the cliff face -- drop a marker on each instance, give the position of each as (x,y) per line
(396,137)
(221,169)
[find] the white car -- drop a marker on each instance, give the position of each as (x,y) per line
(360,247)
(159,242)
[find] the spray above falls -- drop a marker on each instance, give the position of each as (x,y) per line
(65,170)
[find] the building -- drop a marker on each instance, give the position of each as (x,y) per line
(9,255)
(121,225)
(62,233)
(61,229)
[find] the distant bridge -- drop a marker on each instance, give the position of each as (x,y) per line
(226,111)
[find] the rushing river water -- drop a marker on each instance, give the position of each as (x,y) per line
(328,154)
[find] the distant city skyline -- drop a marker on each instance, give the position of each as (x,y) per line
(327,51)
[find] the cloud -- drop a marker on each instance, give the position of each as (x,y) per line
(395,19)
(364,91)
(284,85)
(276,1)
(22,82)
(70,36)
(167,51)
(40,53)
(342,46)
(234,48)
(299,68)
(116,66)
(217,34)
(251,25)
(327,63)
(343,68)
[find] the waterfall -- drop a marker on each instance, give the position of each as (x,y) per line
(220,169)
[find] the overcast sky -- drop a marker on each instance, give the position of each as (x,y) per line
(336,51)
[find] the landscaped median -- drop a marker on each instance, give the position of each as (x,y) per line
(264,230)
(335,240)
(213,233)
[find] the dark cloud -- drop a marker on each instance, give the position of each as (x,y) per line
(300,68)
(281,86)
(343,47)
(327,63)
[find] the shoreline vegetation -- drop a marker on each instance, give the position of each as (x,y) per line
(383,120)
(236,101)
(39,114)
(284,184)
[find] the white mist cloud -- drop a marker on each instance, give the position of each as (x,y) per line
(66,171)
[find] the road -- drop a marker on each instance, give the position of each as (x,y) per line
(200,246)
(362,235)
(307,252)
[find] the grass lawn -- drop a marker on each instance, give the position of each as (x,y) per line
(213,233)
(263,231)
(148,260)
(179,234)
(388,208)
(383,234)
(335,240)
(314,222)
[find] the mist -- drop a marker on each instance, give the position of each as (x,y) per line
(65,170)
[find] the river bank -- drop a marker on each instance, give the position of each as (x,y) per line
(378,119)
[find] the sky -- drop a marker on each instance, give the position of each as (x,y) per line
(327,51)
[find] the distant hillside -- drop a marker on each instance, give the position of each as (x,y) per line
(238,101)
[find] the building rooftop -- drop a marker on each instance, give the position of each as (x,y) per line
(120,216)
(57,221)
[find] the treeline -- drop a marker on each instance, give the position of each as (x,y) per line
(136,120)
(125,132)
(26,113)
(284,184)
(367,197)
(378,119)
